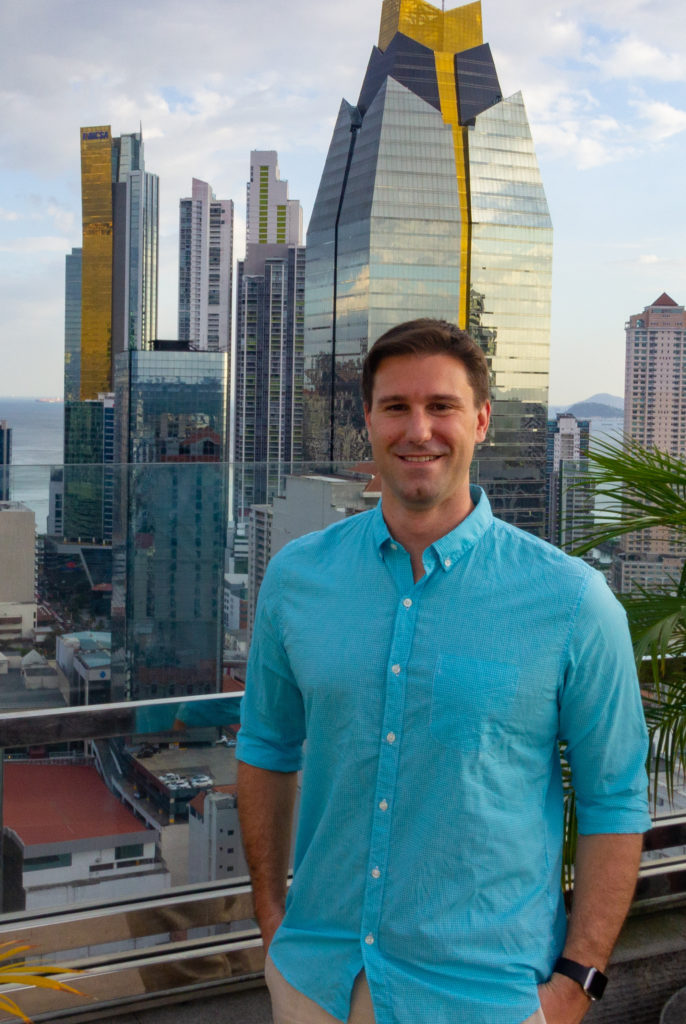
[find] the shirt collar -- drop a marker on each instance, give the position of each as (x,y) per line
(451,547)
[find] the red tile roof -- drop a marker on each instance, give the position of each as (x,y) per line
(665,300)
(62,803)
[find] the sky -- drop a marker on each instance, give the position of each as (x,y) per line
(604,85)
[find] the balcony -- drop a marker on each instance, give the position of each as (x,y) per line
(121,853)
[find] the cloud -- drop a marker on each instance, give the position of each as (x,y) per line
(662,119)
(635,58)
(36,244)
(10,215)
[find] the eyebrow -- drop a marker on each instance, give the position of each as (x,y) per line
(429,398)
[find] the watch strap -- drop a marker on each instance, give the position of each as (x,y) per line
(591,980)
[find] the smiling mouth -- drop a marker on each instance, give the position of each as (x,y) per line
(419,458)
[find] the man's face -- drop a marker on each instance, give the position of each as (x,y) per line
(423,424)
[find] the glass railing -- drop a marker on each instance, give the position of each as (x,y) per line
(127,597)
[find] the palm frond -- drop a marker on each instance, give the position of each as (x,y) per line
(666,718)
(647,488)
(18,971)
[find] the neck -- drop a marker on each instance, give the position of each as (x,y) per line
(417,529)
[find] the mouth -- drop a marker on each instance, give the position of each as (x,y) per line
(419,458)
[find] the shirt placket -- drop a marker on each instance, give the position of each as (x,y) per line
(389,753)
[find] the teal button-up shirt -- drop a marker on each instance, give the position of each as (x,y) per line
(430,832)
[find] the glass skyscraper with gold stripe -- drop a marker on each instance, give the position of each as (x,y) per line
(431,204)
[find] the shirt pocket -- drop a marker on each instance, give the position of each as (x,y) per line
(470,698)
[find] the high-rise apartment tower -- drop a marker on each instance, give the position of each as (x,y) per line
(269,338)
(655,399)
(205,269)
(431,204)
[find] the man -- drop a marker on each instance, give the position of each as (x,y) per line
(433,657)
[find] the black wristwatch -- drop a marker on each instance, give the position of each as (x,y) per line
(592,980)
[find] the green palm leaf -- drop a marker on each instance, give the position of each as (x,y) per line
(647,489)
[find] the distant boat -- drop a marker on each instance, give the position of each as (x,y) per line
(51,401)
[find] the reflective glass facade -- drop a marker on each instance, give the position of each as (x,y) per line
(72,326)
(119,254)
(269,370)
(96,287)
(510,280)
(431,204)
(170,524)
(88,455)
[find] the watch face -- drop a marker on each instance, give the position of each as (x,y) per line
(595,984)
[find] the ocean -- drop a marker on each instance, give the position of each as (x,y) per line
(37,446)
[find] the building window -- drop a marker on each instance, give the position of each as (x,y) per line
(60,860)
(133,852)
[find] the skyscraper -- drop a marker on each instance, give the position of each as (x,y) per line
(110,307)
(72,326)
(569,503)
(269,338)
(205,269)
(655,377)
(170,522)
(431,204)
(655,399)
(119,254)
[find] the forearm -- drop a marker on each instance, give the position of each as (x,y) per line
(265,811)
(604,881)
(605,875)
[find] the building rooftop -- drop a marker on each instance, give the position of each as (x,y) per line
(665,300)
(75,804)
(90,641)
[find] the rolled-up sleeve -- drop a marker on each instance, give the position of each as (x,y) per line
(601,717)
(272,714)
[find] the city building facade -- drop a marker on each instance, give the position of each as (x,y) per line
(170,521)
(431,204)
(119,253)
(88,480)
(205,269)
(110,307)
(17,571)
(72,325)
(567,441)
(84,845)
(269,339)
(655,404)
(5,460)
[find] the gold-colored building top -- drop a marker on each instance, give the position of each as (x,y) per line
(96,275)
(444,32)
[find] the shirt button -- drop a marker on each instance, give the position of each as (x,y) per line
(383,806)
(448,562)
(390,737)
(376,873)
(408,602)
(395,669)
(369,940)
(394,547)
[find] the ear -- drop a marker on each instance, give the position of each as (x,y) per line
(483,418)
(367,412)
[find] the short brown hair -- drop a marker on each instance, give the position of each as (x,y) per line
(427,337)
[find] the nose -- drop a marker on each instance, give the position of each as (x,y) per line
(418,426)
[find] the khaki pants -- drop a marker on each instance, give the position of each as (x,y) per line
(291,1007)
